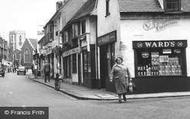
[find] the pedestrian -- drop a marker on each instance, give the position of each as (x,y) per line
(58,80)
(35,70)
(120,76)
(47,69)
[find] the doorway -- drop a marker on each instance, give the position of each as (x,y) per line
(107,55)
(103,65)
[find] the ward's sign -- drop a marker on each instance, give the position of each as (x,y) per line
(160,44)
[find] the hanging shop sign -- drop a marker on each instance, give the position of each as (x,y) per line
(108,38)
(48,51)
(70,52)
(160,44)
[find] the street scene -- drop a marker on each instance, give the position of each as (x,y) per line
(94,59)
(21,91)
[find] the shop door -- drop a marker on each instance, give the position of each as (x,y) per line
(103,65)
(79,70)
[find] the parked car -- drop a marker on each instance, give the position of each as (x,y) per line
(2,71)
(21,69)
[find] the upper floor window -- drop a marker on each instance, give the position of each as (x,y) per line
(65,37)
(76,29)
(20,40)
(83,27)
(107,7)
(172,5)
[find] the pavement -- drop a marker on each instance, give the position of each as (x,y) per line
(83,93)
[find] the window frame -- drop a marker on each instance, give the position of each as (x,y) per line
(28,55)
(176,3)
(107,8)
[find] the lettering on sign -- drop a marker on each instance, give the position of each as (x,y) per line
(70,52)
(108,38)
(24,112)
(158,25)
(159,44)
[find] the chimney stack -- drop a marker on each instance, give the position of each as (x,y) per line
(58,5)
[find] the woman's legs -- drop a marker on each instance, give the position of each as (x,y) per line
(124,97)
(119,96)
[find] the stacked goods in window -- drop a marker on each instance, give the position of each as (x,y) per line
(141,71)
(164,59)
(155,63)
(175,66)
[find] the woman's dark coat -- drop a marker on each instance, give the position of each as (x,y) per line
(120,75)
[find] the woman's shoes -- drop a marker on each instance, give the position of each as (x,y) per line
(124,98)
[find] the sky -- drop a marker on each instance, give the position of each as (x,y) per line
(25,15)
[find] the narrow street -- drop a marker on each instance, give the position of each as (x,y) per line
(20,91)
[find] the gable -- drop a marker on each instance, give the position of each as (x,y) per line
(26,45)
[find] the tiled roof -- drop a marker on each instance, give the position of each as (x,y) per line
(33,42)
(147,6)
(86,9)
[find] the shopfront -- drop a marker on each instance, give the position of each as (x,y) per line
(70,65)
(160,65)
(106,45)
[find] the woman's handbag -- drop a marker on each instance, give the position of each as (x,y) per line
(131,86)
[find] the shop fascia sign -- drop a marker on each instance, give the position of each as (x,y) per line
(108,38)
(72,51)
(160,44)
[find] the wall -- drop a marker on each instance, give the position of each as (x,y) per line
(133,30)
(107,24)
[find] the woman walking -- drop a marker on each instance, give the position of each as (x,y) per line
(120,76)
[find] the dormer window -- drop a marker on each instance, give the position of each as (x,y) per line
(172,5)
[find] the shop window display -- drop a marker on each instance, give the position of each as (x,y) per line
(159,62)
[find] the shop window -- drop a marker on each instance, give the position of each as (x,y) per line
(74,63)
(159,62)
(86,64)
(67,67)
(172,5)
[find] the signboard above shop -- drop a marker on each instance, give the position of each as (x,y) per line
(108,38)
(160,44)
(72,51)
